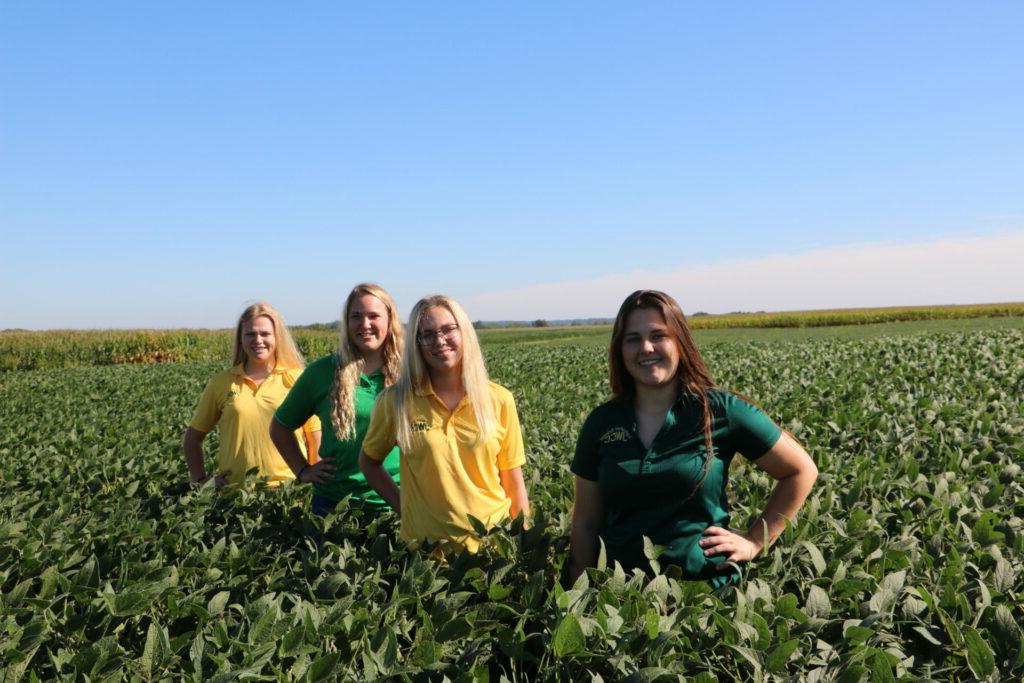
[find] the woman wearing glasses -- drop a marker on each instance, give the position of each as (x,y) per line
(340,389)
(459,434)
(654,460)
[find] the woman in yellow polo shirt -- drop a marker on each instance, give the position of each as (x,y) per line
(459,435)
(242,401)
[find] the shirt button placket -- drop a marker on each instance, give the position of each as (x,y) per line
(645,464)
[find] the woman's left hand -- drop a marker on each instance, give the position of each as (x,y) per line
(738,547)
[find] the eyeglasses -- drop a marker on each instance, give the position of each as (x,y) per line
(433,337)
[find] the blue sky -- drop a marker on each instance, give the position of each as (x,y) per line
(161,165)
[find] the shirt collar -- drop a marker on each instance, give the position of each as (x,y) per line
(239,370)
(425,388)
(374,377)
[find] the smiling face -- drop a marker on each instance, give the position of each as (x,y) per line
(439,340)
(258,340)
(368,324)
(649,352)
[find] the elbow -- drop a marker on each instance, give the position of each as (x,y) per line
(275,430)
(811,471)
(193,438)
(588,528)
(586,524)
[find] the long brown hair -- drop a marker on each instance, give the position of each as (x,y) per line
(349,360)
(694,378)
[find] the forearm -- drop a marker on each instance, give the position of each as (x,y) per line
(587,513)
(193,449)
(381,482)
(784,503)
(583,547)
(287,445)
(312,446)
(515,489)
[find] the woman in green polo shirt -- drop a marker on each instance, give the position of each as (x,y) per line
(341,389)
(654,460)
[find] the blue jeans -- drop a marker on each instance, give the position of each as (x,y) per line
(321,505)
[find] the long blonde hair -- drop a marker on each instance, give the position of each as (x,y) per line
(349,360)
(415,374)
(286,353)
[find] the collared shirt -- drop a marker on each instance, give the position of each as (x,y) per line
(243,411)
(446,474)
(311,395)
(651,491)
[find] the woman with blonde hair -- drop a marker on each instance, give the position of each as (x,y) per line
(654,460)
(340,389)
(242,400)
(459,434)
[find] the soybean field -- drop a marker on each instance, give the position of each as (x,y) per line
(906,564)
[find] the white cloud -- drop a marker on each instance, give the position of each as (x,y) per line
(986,269)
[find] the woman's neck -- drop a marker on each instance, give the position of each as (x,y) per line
(656,399)
(448,381)
(372,362)
(259,369)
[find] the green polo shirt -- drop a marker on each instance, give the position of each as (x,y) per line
(311,395)
(647,492)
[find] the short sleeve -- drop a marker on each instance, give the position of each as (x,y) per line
(299,405)
(753,433)
(512,453)
(381,435)
(208,411)
(312,425)
(586,459)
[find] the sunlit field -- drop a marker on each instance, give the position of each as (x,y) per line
(907,562)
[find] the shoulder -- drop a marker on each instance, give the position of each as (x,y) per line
(610,416)
(292,374)
(224,378)
(604,428)
(313,375)
(219,389)
(324,364)
(500,394)
(610,411)
(728,401)
(722,401)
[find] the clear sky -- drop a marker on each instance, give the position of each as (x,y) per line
(163,164)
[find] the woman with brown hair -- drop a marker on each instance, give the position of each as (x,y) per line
(242,400)
(340,389)
(653,461)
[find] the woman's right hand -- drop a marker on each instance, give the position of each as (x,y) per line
(219,480)
(320,472)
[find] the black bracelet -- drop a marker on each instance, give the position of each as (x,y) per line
(301,470)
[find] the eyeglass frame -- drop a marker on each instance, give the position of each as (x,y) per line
(431,338)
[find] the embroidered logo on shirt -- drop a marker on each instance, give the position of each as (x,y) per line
(420,425)
(615,435)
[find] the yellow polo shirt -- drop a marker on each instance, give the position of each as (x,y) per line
(243,411)
(446,476)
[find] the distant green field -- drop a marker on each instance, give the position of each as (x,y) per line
(22,350)
(853,332)
(906,564)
